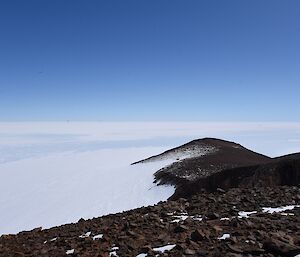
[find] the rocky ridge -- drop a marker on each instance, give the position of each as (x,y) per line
(280,171)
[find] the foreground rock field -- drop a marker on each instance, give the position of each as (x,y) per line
(238,222)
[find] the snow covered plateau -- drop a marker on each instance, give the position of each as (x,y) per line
(53,173)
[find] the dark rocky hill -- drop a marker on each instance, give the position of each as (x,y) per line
(202,158)
(209,163)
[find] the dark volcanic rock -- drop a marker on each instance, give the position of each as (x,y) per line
(180,228)
(198,235)
(142,230)
(281,248)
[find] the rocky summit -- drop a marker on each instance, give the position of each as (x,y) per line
(202,158)
(229,201)
(210,163)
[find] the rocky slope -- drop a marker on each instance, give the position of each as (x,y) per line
(240,222)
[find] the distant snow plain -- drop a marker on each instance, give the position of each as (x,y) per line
(52,173)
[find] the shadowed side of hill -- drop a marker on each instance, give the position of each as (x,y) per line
(280,171)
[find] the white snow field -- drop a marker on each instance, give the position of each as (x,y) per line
(53,173)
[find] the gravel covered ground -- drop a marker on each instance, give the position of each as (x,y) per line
(239,222)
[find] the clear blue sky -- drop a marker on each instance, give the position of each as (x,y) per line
(201,60)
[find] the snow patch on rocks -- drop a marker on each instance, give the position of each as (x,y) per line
(224,237)
(164,248)
(100,236)
(272,210)
(87,234)
(70,251)
(245,214)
